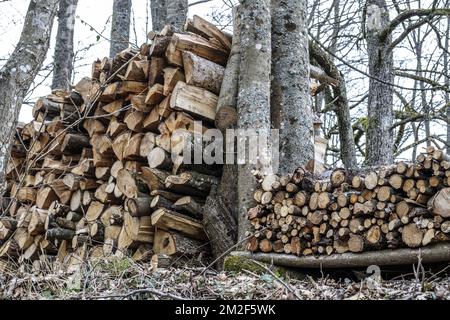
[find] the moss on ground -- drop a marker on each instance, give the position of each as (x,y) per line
(238,264)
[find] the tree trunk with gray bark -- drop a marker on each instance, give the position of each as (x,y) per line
(159,12)
(253,104)
(381,93)
(64,54)
(447,80)
(291,99)
(226,114)
(120,26)
(220,211)
(177,11)
(18,73)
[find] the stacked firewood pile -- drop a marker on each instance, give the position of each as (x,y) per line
(100,170)
(402,205)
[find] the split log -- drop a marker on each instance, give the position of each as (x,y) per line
(194,100)
(189,206)
(140,206)
(130,184)
(174,243)
(439,204)
(191,183)
(167,220)
(202,73)
(171,77)
(201,47)
(158,158)
(201,26)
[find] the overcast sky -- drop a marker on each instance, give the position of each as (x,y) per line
(95,14)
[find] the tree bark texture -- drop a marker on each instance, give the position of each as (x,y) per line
(447,79)
(226,115)
(177,11)
(380,100)
(253,104)
(120,26)
(341,108)
(18,73)
(291,99)
(439,252)
(64,54)
(220,211)
(159,13)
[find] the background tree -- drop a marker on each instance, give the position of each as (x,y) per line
(159,13)
(337,101)
(253,103)
(120,26)
(17,75)
(418,95)
(221,210)
(447,78)
(64,51)
(381,94)
(177,11)
(291,100)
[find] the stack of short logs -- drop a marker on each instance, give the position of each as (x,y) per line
(402,205)
(100,170)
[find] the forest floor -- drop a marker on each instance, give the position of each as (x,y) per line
(123,279)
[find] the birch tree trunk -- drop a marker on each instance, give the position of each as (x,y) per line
(380,100)
(253,105)
(18,73)
(291,101)
(120,26)
(159,12)
(64,54)
(177,11)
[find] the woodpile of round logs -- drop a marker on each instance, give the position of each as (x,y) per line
(401,205)
(100,170)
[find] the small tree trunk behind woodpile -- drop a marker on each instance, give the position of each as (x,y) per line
(159,13)
(120,26)
(177,11)
(63,59)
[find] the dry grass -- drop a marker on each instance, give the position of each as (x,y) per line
(123,279)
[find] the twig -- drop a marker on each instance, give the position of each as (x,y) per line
(287,286)
(228,251)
